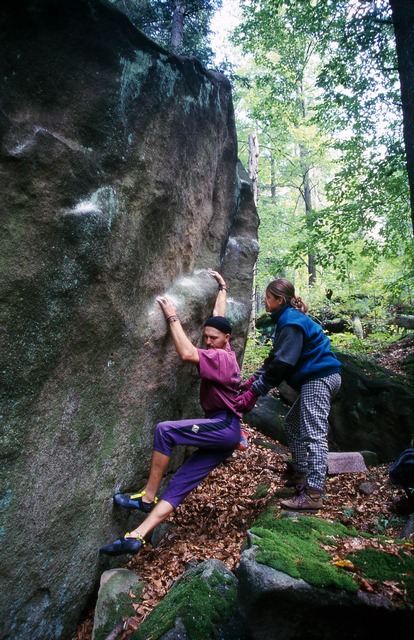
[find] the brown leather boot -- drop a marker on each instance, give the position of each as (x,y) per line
(306,500)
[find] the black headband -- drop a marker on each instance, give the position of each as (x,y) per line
(219,322)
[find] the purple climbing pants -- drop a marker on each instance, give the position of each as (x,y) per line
(216,437)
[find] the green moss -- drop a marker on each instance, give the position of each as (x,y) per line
(201,605)
(267,445)
(261,491)
(293,546)
(375,564)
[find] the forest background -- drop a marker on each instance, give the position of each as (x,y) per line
(319,112)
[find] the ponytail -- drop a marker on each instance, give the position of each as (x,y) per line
(283,288)
(299,304)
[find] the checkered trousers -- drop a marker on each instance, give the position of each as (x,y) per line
(306,427)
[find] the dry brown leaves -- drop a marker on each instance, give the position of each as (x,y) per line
(211,523)
(213,520)
(393,357)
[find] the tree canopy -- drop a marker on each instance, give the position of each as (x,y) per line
(323,93)
(180,25)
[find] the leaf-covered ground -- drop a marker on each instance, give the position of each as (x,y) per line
(213,520)
(394,357)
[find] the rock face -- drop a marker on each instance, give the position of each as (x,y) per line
(119,182)
(372,411)
(268,417)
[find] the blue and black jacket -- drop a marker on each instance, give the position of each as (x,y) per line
(314,360)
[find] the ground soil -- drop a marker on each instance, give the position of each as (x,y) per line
(213,520)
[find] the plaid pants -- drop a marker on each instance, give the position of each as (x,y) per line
(306,427)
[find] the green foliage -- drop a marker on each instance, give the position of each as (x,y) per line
(255,352)
(384,522)
(368,346)
(348,513)
(323,96)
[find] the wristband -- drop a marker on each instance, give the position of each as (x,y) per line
(172,319)
(223,287)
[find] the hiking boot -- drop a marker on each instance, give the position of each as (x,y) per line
(123,545)
(306,499)
(134,501)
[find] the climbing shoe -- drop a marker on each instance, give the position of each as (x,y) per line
(123,545)
(134,501)
(305,499)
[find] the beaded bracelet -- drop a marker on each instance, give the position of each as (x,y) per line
(172,319)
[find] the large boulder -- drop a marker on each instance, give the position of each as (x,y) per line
(119,182)
(373,410)
(119,589)
(290,589)
(268,417)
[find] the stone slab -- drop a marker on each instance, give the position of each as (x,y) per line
(345,462)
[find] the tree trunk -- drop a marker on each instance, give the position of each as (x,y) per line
(177,27)
(272,179)
(253,168)
(306,193)
(357,325)
(403,19)
(253,164)
(307,196)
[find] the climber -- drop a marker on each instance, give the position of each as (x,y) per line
(216,435)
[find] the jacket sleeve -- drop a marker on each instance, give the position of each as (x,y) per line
(281,360)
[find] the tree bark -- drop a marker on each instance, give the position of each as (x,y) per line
(272,179)
(357,325)
(307,196)
(306,192)
(253,164)
(253,170)
(403,19)
(177,27)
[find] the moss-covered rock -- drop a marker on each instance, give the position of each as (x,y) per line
(296,547)
(293,583)
(203,601)
(379,565)
(303,547)
(119,588)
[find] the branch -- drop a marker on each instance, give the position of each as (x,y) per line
(116,631)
